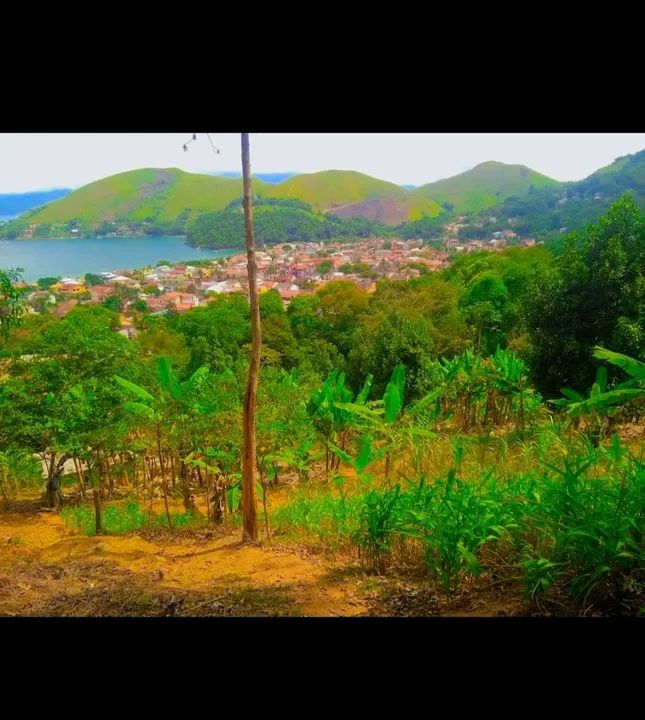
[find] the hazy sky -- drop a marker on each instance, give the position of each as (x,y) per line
(40,161)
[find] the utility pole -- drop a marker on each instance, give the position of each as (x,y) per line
(249,500)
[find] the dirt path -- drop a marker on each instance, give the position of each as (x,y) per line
(48,569)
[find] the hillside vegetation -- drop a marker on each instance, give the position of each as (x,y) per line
(330,188)
(494,196)
(276,221)
(390,210)
(153,196)
(484,186)
(544,211)
(166,200)
(468,440)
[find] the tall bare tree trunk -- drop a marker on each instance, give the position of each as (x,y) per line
(249,500)
(164,484)
(97,509)
(79,475)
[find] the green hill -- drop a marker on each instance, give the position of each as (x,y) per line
(276,221)
(147,195)
(390,210)
(332,188)
(484,186)
(156,200)
(625,173)
(551,211)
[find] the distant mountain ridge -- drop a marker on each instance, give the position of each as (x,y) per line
(483,186)
(164,200)
(571,205)
(16,203)
(167,200)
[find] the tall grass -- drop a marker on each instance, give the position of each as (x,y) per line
(574,523)
(123,519)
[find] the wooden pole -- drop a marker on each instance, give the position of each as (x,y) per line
(249,500)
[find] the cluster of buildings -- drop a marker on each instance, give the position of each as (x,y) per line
(288,269)
(497,240)
(293,269)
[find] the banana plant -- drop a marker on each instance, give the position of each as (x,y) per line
(366,455)
(383,418)
(601,400)
(301,457)
(510,378)
(234,492)
(165,408)
(327,409)
(215,481)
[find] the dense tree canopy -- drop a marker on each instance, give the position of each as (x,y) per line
(276,221)
(410,322)
(596,297)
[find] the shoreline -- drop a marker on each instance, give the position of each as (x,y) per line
(232,250)
(65,257)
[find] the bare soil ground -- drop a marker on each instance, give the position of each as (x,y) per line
(50,569)
(46,569)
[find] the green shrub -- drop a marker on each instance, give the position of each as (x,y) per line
(123,519)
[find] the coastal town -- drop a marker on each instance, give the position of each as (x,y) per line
(289,269)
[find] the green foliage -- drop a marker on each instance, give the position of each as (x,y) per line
(58,399)
(415,388)
(484,392)
(408,323)
(340,306)
(274,222)
(393,396)
(157,339)
(323,408)
(325,267)
(600,400)
(495,290)
(19,470)
(216,334)
(330,518)
(428,228)
(631,366)
(590,526)
(484,186)
(113,302)
(299,457)
(124,519)
(575,205)
(92,279)
(140,199)
(378,521)
(596,297)
(46,282)
(334,187)
(576,526)
(11,300)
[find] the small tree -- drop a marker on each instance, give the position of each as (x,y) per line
(163,410)
(11,304)
(325,267)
